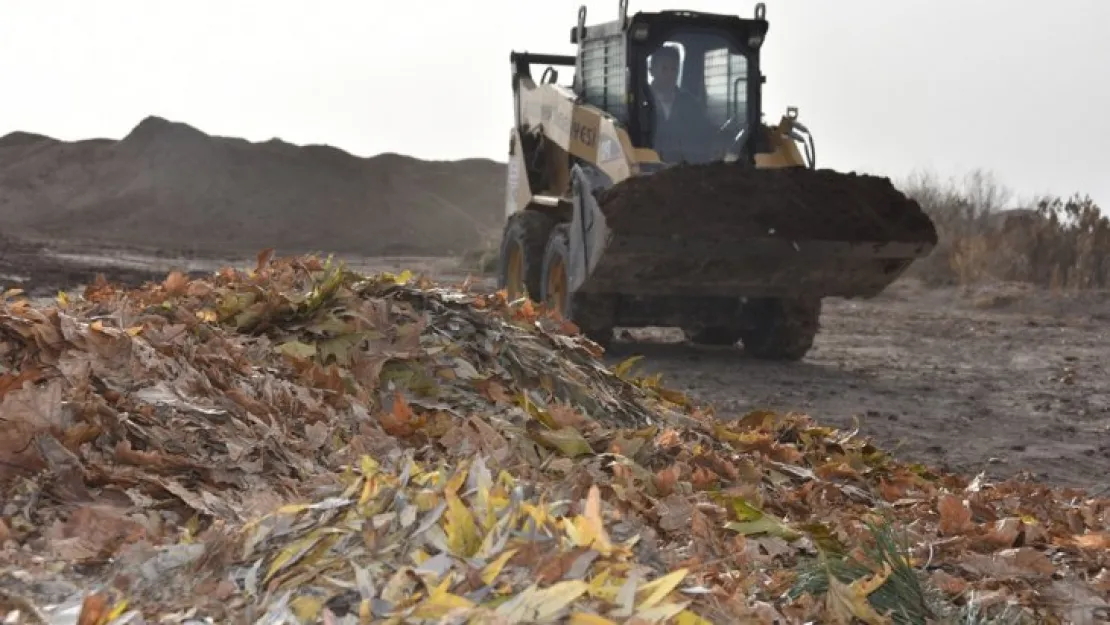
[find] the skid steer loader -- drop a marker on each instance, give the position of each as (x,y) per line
(626,209)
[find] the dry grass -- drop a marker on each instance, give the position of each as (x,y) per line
(482,260)
(1063,244)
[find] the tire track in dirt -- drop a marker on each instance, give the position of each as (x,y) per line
(933,380)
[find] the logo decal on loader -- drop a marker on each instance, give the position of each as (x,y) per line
(609,150)
(586,135)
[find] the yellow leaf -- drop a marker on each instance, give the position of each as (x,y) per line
(455,483)
(368,465)
(622,369)
(538,515)
(134,330)
(600,588)
(426,499)
(585,618)
(687,617)
(117,611)
(869,584)
(535,411)
(293,508)
(293,552)
(297,350)
(752,520)
(493,569)
(568,441)
(306,608)
(579,530)
(845,601)
(660,588)
(547,603)
(403,278)
(367,491)
(63,299)
(675,397)
(660,613)
(440,602)
(461,530)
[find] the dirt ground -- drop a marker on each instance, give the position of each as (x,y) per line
(1003,379)
(1000,382)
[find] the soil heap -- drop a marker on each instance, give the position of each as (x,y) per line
(169,185)
(298,443)
(727,202)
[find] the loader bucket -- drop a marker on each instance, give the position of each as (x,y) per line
(724,229)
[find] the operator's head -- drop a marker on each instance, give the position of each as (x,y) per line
(664,68)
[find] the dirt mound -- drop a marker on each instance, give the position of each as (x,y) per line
(733,201)
(169,185)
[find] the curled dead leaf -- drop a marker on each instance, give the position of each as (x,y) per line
(665,480)
(955,517)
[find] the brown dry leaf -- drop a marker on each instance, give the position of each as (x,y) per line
(263,259)
(176,283)
(700,525)
(496,393)
(399,420)
(1102,580)
(948,584)
(1004,533)
(665,480)
(566,416)
(1098,540)
(703,479)
(94,609)
(9,382)
(668,438)
(837,470)
(787,454)
(674,512)
(94,531)
(891,491)
(1010,563)
(125,454)
(955,517)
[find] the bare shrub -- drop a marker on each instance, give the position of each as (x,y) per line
(482,260)
(1062,243)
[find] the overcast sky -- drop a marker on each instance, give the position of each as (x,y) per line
(1011,86)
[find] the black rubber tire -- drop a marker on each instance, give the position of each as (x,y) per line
(530,230)
(558,247)
(781,329)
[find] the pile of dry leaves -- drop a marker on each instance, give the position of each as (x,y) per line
(301,444)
